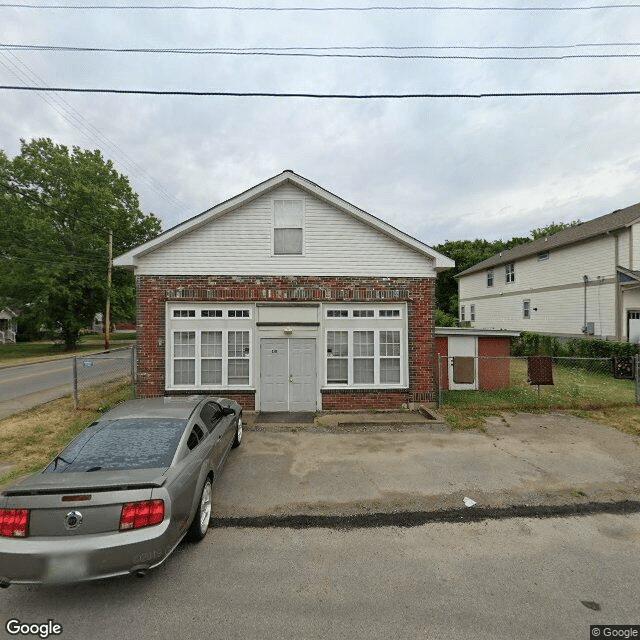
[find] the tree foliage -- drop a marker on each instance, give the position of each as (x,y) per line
(466,253)
(56,209)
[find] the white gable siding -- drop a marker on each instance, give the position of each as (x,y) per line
(240,243)
(635,243)
(554,287)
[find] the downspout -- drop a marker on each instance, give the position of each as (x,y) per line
(584,325)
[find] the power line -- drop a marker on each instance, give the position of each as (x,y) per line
(307,54)
(69,113)
(206,50)
(172,7)
(345,96)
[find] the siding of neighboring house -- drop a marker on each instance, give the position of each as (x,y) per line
(555,287)
(334,243)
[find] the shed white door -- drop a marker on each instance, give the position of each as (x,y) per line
(462,362)
(288,376)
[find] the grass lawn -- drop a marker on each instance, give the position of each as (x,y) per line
(594,396)
(34,350)
(31,439)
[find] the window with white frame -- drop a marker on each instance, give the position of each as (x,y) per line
(364,347)
(472,313)
(510,272)
(288,225)
(490,278)
(462,313)
(543,255)
(209,347)
(526,309)
(337,357)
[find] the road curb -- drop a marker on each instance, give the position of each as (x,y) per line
(418,518)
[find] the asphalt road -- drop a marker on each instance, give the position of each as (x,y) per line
(515,578)
(26,386)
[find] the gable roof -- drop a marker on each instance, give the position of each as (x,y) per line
(583,231)
(130,258)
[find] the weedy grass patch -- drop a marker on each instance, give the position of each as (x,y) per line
(29,440)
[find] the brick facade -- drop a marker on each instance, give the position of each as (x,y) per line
(154,291)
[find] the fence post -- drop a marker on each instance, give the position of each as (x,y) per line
(75,383)
(133,370)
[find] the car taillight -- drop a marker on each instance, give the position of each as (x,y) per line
(14,523)
(141,514)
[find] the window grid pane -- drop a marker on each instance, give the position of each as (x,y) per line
(211,344)
(389,370)
(363,344)
(337,370)
(238,371)
(389,343)
(238,344)
(337,344)
(184,371)
(184,344)
(211,371)
(287,242)
(363,370)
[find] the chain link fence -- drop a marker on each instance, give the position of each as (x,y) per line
(538,382)
(102,370)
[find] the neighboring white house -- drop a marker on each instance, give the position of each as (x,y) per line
(584,280)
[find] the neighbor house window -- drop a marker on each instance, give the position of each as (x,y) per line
(510,272)
(472,313)
(462,313)
(288,224)
(544,255)
(526,309)
(490,278)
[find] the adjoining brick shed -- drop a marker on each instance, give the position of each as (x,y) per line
(473,358)
(287,298)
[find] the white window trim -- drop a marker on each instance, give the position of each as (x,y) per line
(511,272)
(526,309)
(472,313)
(490,272)
(376,384)
(304,229)
(198,325)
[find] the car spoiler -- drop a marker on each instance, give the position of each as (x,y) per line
(82,481)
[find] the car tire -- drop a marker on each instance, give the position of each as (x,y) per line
(237,441)
(200,525)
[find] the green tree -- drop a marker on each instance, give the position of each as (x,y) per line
(56,209)
(552,228)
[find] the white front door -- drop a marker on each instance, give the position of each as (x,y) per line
(288,377)
(633,318)
(462,362)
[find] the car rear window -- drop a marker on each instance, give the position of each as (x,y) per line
(113,445)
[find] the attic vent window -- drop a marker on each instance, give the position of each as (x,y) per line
(543,255)
(288,224)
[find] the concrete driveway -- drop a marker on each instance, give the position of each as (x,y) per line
(368,466)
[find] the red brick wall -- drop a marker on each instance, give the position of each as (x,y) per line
(493,374)
(154,291)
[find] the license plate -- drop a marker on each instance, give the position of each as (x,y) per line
(66,568)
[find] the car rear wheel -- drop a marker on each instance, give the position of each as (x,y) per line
(200,525)
(238,439)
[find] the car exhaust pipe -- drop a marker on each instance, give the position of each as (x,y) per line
(140,571)
(5,583)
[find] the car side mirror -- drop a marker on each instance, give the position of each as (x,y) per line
(228,411)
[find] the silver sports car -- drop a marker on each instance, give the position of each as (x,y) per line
(120,497)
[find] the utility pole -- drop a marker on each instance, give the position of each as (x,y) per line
(107,315)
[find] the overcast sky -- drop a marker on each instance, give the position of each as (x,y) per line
(436,168)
